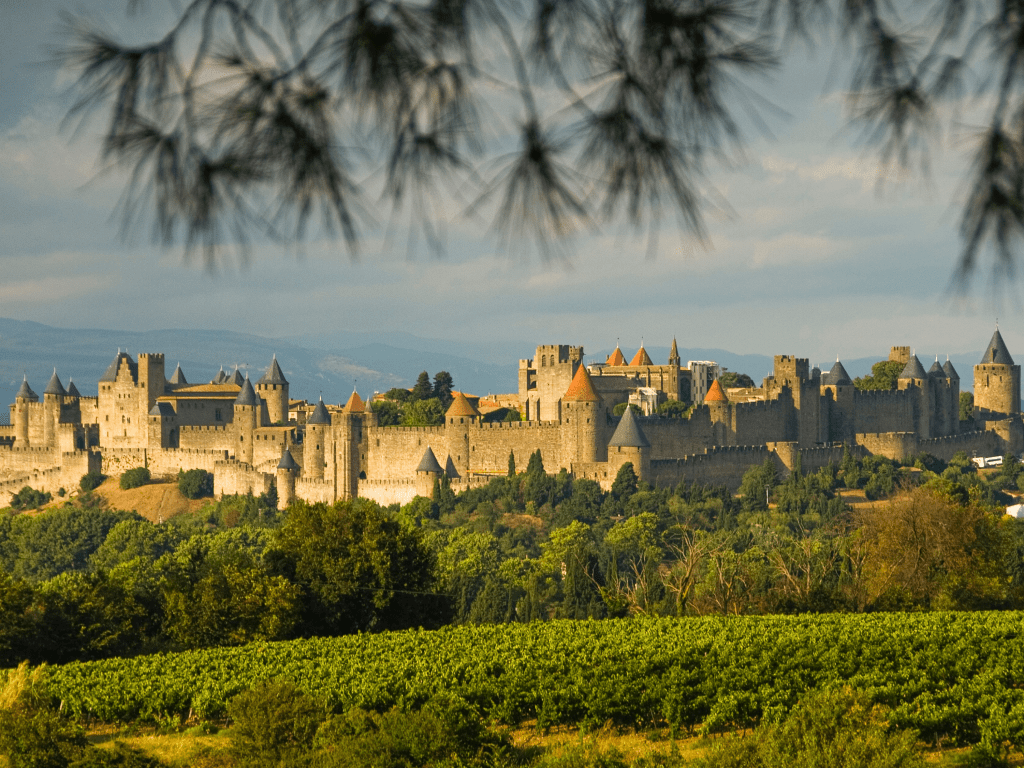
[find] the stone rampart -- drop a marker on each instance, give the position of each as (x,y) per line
(236,477)
(883,410)
(117,461)
(67,476)
(489,446)
(675,438)
(166,462)
(719,466)
(758,422)
(22,460)
(984,443)
(395,452)
(208,438)
(385,492)
(313,490)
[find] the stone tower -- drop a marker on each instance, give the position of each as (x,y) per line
(247,413)
(583,418)
(318,425)
(426,473)
(287,469)
(348,432)
(913,377)
(273,388)
(838,384)
(53,399)
(21,413)
(458,420)
(629,443)
(996,383)
(953,379)
(718,406)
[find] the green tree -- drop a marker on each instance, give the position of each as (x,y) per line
(423,413)
(884,375)
(398,394)
(675,409)
(423,389)
(536,464)
(32,733)
(359,569)
(195,483)
(626,481)
(757,482)
(389,412)
(29,498)
(442,389)
(91,481)
(733,379)
(620,408)
(17,621)
(511,464)
(273,723)
(967,407)
(134,478)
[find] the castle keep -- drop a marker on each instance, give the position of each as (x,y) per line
(253,436)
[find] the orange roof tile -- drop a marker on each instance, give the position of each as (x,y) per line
(355,403)
(641,358)
(582,388)
(461,406)
(715,394)
(616,358)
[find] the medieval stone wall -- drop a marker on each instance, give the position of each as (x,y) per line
(207,438)
(883,410)
(395,452)
(489,446)
(236,477)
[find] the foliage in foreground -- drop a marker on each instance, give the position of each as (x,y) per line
(947,675)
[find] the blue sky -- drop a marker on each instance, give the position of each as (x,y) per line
(813,260)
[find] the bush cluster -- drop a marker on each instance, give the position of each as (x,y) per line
(135,478)
(195,484)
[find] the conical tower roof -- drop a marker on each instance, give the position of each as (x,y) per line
(450,470)
(628,434)
(26,392)
(997,353)
(72,389)
(936,370)
(235,378)
(273,374)
(913,369)
(178,377)
(429,463)
(950,371)
(715,394)
(461,407)
(287,461)
(355,403)
(641,357)
(616,358)
(838,375)
(54,387)
(247,395)
(221,377)
(319,414)
(581,389)
(673,354)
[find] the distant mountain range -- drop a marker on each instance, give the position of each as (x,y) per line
(328,364)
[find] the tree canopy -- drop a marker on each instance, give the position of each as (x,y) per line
(549,118)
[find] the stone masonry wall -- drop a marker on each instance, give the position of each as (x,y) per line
(67,475)
(395,452)
(489,446)
(236,477)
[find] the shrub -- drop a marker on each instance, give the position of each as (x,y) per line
(274,722)
(28,498)
(134,478)
(91,481)
(32,734)
(195,483)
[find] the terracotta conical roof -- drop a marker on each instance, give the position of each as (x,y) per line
(837,375)
(55,387)
(72,389)
(581,389)
(950,371)
(715,394)
(355,403)
(461,406)
(641,358)
(628,434)
(429,463)
(287,461)
(913,369)
(178,377)
(247,395)
(997,353)
(319,414)
(273,374)
(26,392)
(616,358)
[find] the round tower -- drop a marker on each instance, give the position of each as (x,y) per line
(839,385)
(913,377)
(427,472)
(461,415)
(629,444)
(317,426)
(247,413)
(273,388)
(287,469)
(583,415)
(21,413)
(53,398)
(718,407)
(996,383)
(349,442)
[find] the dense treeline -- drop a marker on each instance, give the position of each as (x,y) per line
(81,582)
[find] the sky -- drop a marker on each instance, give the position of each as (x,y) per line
(812,260)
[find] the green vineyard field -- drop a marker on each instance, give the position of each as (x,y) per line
(955,676)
